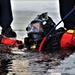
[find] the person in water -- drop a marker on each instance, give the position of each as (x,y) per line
(60,38)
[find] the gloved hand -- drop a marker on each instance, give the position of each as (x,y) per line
(12,42)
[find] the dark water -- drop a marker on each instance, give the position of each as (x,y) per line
(28,64)
(22,62)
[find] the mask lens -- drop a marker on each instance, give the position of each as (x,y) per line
(35,29)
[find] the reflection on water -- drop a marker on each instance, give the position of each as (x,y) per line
(19,67)
(30,63)
(27,64)
(3,67)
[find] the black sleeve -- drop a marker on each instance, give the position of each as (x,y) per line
(5,13)
(65,7)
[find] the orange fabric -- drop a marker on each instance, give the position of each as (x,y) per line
(67,40)
(8,41)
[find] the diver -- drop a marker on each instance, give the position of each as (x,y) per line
(39,28)
(59,38)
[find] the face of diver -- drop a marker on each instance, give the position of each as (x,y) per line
(35,28)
